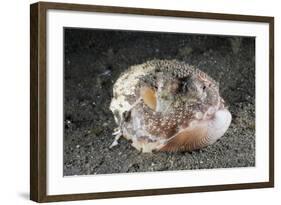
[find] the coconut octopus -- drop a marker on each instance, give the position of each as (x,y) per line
(167,105)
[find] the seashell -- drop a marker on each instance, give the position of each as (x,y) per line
(167,105)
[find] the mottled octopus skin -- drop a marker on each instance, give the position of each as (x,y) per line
(167,105)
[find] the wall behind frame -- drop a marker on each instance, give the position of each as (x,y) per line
(14,103)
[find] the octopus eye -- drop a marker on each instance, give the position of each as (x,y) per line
(127,115)
(204,87)
(185,87)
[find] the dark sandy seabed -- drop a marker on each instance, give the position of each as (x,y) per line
(93,61)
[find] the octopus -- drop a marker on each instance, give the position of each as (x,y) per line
(168,105)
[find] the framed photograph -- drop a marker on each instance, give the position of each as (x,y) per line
(135,102)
